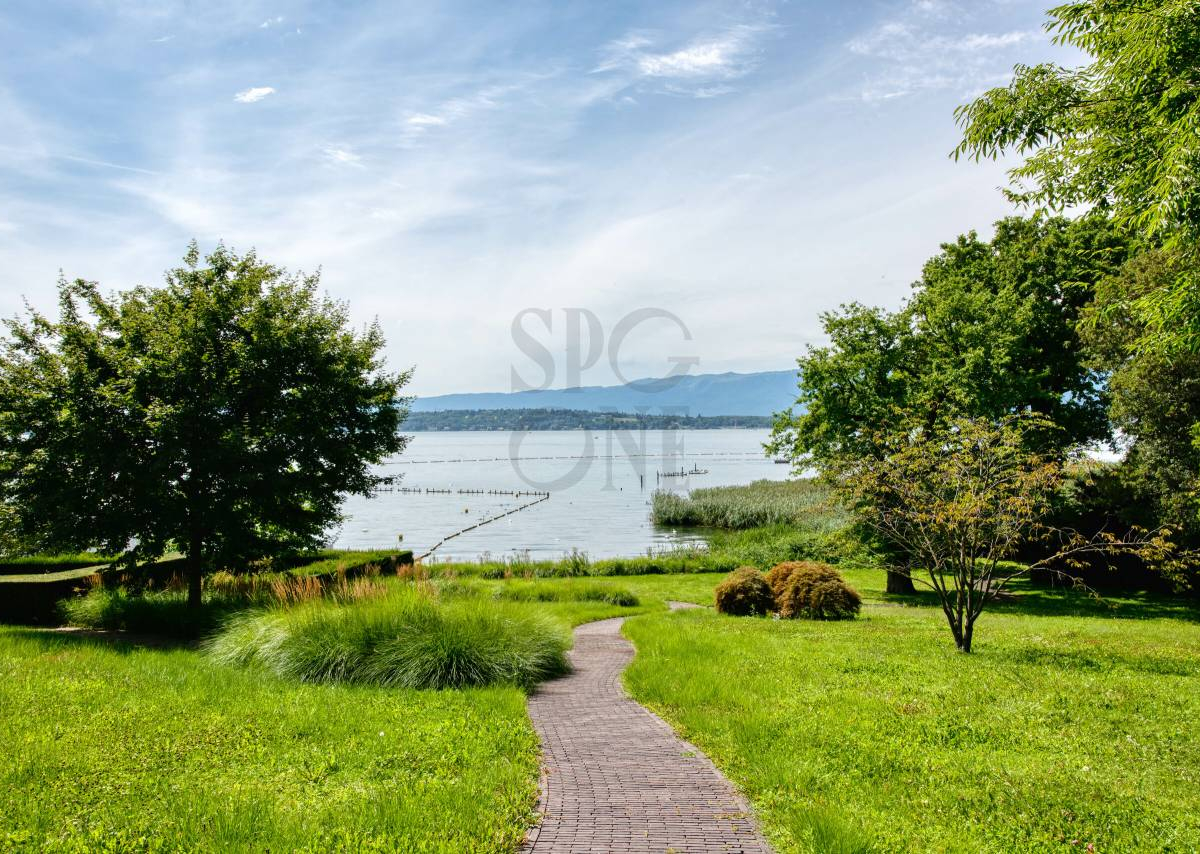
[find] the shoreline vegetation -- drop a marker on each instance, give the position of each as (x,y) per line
(573,419)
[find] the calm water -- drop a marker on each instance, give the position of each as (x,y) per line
(599,483)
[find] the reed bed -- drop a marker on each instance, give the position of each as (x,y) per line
(804,503)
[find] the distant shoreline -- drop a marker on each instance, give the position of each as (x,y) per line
(498,420)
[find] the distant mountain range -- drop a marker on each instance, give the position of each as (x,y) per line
(762,393)
(571,419)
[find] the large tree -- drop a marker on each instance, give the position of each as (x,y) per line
(1121,133)
(991,329)
(225,415)
(1155,400)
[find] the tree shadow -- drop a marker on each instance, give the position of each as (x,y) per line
(1021,597)
(108,639)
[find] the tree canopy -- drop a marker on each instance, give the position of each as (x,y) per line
(1121,133)
(991,329)
(1155,400)
(225,414)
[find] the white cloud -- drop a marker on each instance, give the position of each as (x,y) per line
(988,41)
(344,156)
(253,94)
(271,22)
(727,55)
(925,49)
(464,107)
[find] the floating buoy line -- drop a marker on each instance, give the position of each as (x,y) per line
(682,473)
(545,496)
(391,484)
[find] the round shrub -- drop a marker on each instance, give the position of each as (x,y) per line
(834,600)
(780,574)
(744,593)
(818,591)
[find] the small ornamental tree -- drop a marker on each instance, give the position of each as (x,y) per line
(961,500)
(225,414)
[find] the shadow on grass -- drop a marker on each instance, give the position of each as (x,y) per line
(113,641)
(161,615)
(1023,598)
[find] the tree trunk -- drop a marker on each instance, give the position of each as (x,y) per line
(968,633)
(961,641)
(194,576)
(195,572)
(899,581)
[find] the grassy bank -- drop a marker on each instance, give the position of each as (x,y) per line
(1072,723)
(111,747)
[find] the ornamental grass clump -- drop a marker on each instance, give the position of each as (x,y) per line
(815,591)
(405,639)
(744,593)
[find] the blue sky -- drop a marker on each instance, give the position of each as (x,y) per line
(743,165)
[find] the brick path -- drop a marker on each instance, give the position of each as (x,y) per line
(616,778)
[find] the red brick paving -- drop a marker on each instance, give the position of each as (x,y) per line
(615,776)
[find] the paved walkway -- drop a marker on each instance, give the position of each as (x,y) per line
(616,778)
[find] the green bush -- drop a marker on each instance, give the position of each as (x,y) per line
(816,591)
(402,639)
(744,593)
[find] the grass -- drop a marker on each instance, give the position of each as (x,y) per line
(397,636)
(548,592)
(579,565)
(164,749)
(1072,723)
(112,747)
(335,561)
(32,566)
(803,503)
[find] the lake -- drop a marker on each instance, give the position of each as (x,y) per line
(599,486)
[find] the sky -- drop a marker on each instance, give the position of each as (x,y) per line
(717,174)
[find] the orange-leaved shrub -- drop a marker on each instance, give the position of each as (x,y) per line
(816,591)
(744,593)
(780,574)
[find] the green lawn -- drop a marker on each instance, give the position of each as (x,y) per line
(110,747)
(1074,722)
